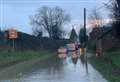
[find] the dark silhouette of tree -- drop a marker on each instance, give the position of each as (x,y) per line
(96,24)
(40,34)
(82,37)
(73,36)
(50,20)
(115,15)
(95,19)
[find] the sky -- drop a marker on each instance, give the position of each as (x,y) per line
(16,13)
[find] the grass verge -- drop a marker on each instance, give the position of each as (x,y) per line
(108,66)
(9,58)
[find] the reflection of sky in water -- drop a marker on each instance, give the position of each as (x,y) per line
(68,72)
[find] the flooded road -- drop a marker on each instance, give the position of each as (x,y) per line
(51,70)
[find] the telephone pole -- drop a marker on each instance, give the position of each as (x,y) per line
(85,41)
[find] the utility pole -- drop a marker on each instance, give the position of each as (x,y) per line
(85,41)
(85,26)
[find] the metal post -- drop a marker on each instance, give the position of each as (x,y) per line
(13,45)
(86,64)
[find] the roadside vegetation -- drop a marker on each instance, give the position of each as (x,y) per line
(35,46)
(106,39)
(109,66)
(9,58)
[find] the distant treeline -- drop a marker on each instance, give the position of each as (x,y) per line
(30,42)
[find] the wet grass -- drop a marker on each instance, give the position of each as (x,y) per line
(9,58)
(114,57)
(108,66)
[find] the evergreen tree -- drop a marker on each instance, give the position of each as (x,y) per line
(82,37)
(73,36)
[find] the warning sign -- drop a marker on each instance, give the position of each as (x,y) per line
(13,34)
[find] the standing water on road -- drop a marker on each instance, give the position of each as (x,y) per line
(54,70)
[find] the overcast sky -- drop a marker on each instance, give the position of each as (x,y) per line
(15,13)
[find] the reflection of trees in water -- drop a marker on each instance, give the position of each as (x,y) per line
(82,59)
(53,61)
(54,65)
(74,57)
(74,60)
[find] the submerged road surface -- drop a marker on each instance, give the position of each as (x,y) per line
(51,70)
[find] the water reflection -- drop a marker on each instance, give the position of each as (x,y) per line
(82,59)
(58,70)
(74,54)
(62,53)
(74,60)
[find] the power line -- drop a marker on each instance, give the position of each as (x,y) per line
(103,6)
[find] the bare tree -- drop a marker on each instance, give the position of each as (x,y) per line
(115,10)
(73,35)
(96,19)
(115,15)
(118,3)
(96,23)
(50,20)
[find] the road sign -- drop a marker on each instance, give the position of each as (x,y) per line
(13,34)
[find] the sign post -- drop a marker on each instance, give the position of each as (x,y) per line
(13,45)
(13,35)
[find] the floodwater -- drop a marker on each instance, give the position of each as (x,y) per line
(51,70)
